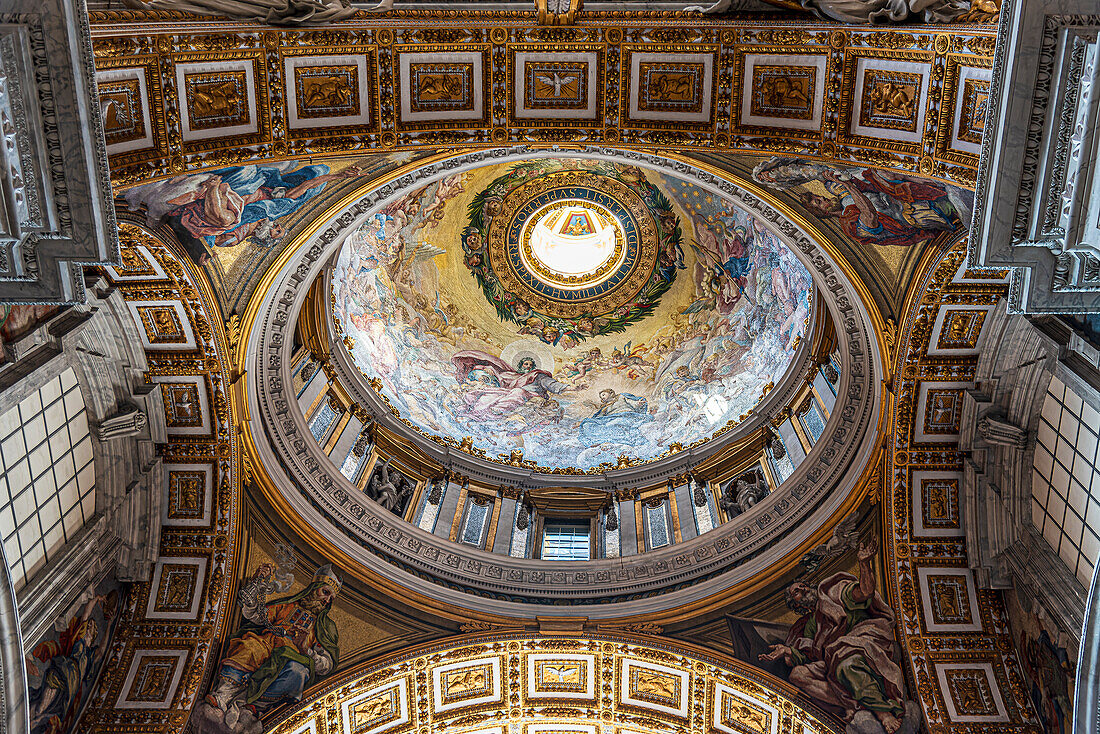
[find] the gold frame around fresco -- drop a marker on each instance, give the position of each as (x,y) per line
(881,330)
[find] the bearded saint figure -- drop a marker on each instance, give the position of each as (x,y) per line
(840,648)
(282,647)
(498,389)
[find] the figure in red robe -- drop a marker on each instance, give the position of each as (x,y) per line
(876,209)
(500,389)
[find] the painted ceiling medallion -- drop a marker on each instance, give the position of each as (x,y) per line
(565,250)
(570,250)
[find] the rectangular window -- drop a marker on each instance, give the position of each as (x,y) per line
(520,537)
(1065,486)
(357,457)
(784,467)
(47,476)
(656,518)
(566,540)
(322,421)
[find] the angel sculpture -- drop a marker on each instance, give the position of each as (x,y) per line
(391,493)
(275,12)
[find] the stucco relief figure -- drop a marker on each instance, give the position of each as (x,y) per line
(840,650)
(871,206)
(226,207)
(282,647)
(275,12)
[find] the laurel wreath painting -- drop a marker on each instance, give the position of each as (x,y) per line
(559,321)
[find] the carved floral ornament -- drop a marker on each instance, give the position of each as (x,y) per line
(607,681)
(303,479)
(564,12)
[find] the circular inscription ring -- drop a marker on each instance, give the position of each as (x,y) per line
(577,275)
(510,231)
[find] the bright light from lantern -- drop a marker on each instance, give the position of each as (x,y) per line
(574,241)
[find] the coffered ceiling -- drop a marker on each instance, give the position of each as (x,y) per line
(182,95)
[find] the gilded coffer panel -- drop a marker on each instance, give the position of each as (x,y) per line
(547,685)
(179,100)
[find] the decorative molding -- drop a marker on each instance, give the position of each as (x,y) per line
(951,632)
(156,664)
(1038,188)
(508,681)
(56,210)
(713,84)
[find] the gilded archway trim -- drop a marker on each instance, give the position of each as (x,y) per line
(521,684)
(960,653)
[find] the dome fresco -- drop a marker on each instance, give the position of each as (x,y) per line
(586,314)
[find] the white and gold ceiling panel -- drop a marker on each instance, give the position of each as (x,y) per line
(130,104)
(783,90)
(442,88)
(378,709)
(561,675)
(124,104)
(336,90)
(553,685)
(736,712)
(962,116)
(891,97)
(666,85)
(467,683)
(655,687)
(557,87)
(219,98)
(175,98)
